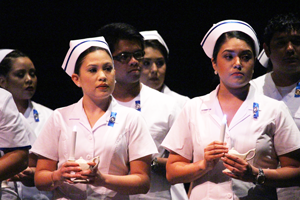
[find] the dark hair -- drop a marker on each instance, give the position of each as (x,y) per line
(232,34)
(84,54)
(281,23)
(7,62)
(157,45)
(120,31)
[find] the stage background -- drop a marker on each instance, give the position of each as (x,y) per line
(43,29)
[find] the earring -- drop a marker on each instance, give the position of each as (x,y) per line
(115,81)
(215,72)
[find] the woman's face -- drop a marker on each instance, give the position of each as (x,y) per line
(21,80)
(235,63)
(96,75)
(153,68)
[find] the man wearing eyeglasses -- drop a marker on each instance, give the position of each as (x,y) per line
(159,110)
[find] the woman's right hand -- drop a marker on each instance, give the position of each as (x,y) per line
(213,152)
(67,171)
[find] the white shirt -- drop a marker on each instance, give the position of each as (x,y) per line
(181,100)
(266,85)
(37,115)
(13,130)
(177,191)
(159,112)
(116,143)
(272,134)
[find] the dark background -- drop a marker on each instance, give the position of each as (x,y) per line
(43,29)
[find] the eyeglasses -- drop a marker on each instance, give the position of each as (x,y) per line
(125,57)
(149,62)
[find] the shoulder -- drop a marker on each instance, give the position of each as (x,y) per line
(41,107)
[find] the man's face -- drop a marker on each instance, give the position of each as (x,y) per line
(284,52)
(128,55)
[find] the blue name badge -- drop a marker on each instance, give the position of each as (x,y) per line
(36,115)
(255,110)
(138,105)
(297,91)
(112,119)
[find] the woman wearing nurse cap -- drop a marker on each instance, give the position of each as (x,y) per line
(116,134)
(254,121)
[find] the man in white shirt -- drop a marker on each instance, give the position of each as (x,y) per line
(159,110)
(281,56)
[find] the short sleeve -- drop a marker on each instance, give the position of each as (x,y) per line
(14,132)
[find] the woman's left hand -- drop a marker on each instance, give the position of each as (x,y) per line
(239,168)
(92,174)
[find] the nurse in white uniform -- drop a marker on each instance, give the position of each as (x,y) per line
(117,135)
(18,76)
(199,140)
(153,75)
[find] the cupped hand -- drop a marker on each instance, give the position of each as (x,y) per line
(213,152)
(92,174)
(239,168)
(68,171)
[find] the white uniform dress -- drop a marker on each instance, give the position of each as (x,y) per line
(177,191)
(272,133)
(118,137)
(181,100)
(159,111)
(13,134)
(14,130)
(266,85)
(36,115)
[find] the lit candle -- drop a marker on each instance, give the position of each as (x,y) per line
(223,128)
(73,144)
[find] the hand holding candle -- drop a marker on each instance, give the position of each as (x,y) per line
(73,144)
(223,128)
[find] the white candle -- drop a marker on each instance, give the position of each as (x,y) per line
(223,128)
(73,144)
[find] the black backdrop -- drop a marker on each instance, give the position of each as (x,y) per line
(42,29)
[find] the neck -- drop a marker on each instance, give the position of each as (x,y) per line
(95,110)
(283,80)
(226,93)
(126,92)
(22,105)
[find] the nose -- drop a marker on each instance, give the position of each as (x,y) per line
(290,48)
(154,68)
(238,63)
(133,61)
(101,76)
(28,79)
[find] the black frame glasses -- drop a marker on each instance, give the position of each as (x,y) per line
(125,57)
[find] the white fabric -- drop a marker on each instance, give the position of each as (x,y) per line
(43,115)
(213,34)
(177,191)
(272,133)
(3,53)
(159,111)
(154,35)
(181,100)
(79,46)
(13,131)
(263,59)
(266,85)
(127,140)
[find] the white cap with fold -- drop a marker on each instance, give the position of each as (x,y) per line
(154,35)
(3,53)
(79,46)
(263,58)
(211,37)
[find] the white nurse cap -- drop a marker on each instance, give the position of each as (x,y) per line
(263,58)
(3,53)
(79,46)
(154,35)
(211,37)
